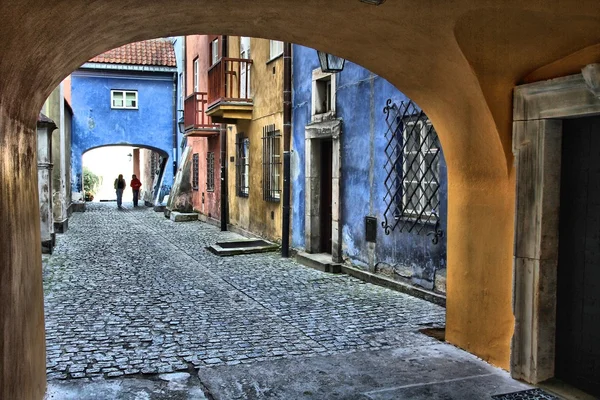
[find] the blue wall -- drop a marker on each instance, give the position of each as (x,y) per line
(95,124)
(360,99)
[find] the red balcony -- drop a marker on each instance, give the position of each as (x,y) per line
(229,90)
(196,122)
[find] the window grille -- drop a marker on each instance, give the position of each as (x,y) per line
(242,165)
(195,171)
(271,163)
(412,171)
(210,172)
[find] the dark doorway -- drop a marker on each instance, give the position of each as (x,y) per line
(326,216)
(578,294)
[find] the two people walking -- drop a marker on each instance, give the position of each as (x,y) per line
(121,184)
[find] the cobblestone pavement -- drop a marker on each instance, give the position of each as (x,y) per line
(129,292)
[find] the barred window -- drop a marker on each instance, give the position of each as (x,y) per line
(242,165)
(210,172)
(420,164)
(271,163)
(412,170)
(195,171)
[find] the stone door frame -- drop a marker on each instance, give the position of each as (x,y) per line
(313,134)
(539,109)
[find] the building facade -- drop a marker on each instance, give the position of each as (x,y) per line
(127,97)
(363,189)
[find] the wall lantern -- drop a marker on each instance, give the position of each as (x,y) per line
(129,156)
(330,63)
(373,2)
(181,126)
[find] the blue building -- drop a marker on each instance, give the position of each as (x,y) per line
(356,169)
(127,96)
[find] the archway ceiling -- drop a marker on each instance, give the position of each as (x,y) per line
(458,59)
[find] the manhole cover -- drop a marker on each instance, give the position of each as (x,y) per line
(531,394)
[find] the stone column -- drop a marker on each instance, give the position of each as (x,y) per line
(22,348)
(45,126)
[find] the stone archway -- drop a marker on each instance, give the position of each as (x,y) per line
(459,61)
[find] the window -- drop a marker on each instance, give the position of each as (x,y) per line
(124,99)
(271,163)
(195,171)
(214,52)
(323,95)
(196,75)
(181,92)
(245,92)
(420,167)
(276,49)
(242,165)
(210,172)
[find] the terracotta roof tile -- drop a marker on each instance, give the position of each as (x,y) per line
(158,52)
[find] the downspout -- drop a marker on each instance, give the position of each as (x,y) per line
(183,90)
(223,139)
(287,128)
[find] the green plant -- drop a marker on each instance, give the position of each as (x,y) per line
(91,181)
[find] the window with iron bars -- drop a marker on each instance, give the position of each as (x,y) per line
(210,172)
(271,163)
(195,171)
(242,165)
(412,170)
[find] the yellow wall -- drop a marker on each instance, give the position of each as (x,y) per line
(253,214)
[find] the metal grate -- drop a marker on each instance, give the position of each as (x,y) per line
(195,171)
(271,163)
(412,171)
(242,165)
(210,172)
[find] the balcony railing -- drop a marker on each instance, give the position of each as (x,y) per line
(194,114)
(228,81)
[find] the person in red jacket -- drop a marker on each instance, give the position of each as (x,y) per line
(135,186)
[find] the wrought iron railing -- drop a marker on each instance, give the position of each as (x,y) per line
(412,171)
(194,112)
(229,80)
(242,165)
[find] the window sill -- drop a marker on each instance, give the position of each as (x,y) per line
(244,195)
(210,190)
(415,218)
(277,57)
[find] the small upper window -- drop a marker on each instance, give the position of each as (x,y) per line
(196,75)
(124,99)
(214,52)
(276,49)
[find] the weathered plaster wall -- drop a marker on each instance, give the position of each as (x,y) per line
(253,213)
(463,84)
(207,202)
(360,98)
(95,124)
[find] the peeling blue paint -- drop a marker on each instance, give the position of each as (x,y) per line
(96,124)
(360,99)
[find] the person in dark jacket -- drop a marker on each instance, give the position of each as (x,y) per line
(135,187)
(120,185)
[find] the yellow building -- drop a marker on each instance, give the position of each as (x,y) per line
(255,141)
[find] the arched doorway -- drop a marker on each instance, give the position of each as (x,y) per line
(458,61)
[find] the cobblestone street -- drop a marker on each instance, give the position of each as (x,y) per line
(129,292)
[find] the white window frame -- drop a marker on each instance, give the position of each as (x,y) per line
(196,67)
(124,93)
(214,51)
(275,49)
(409,153)
(245,73)
(318,77)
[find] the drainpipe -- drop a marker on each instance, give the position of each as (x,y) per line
(224,191)
(174,124)
(287,128)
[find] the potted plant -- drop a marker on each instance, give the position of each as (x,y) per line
(91,181)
